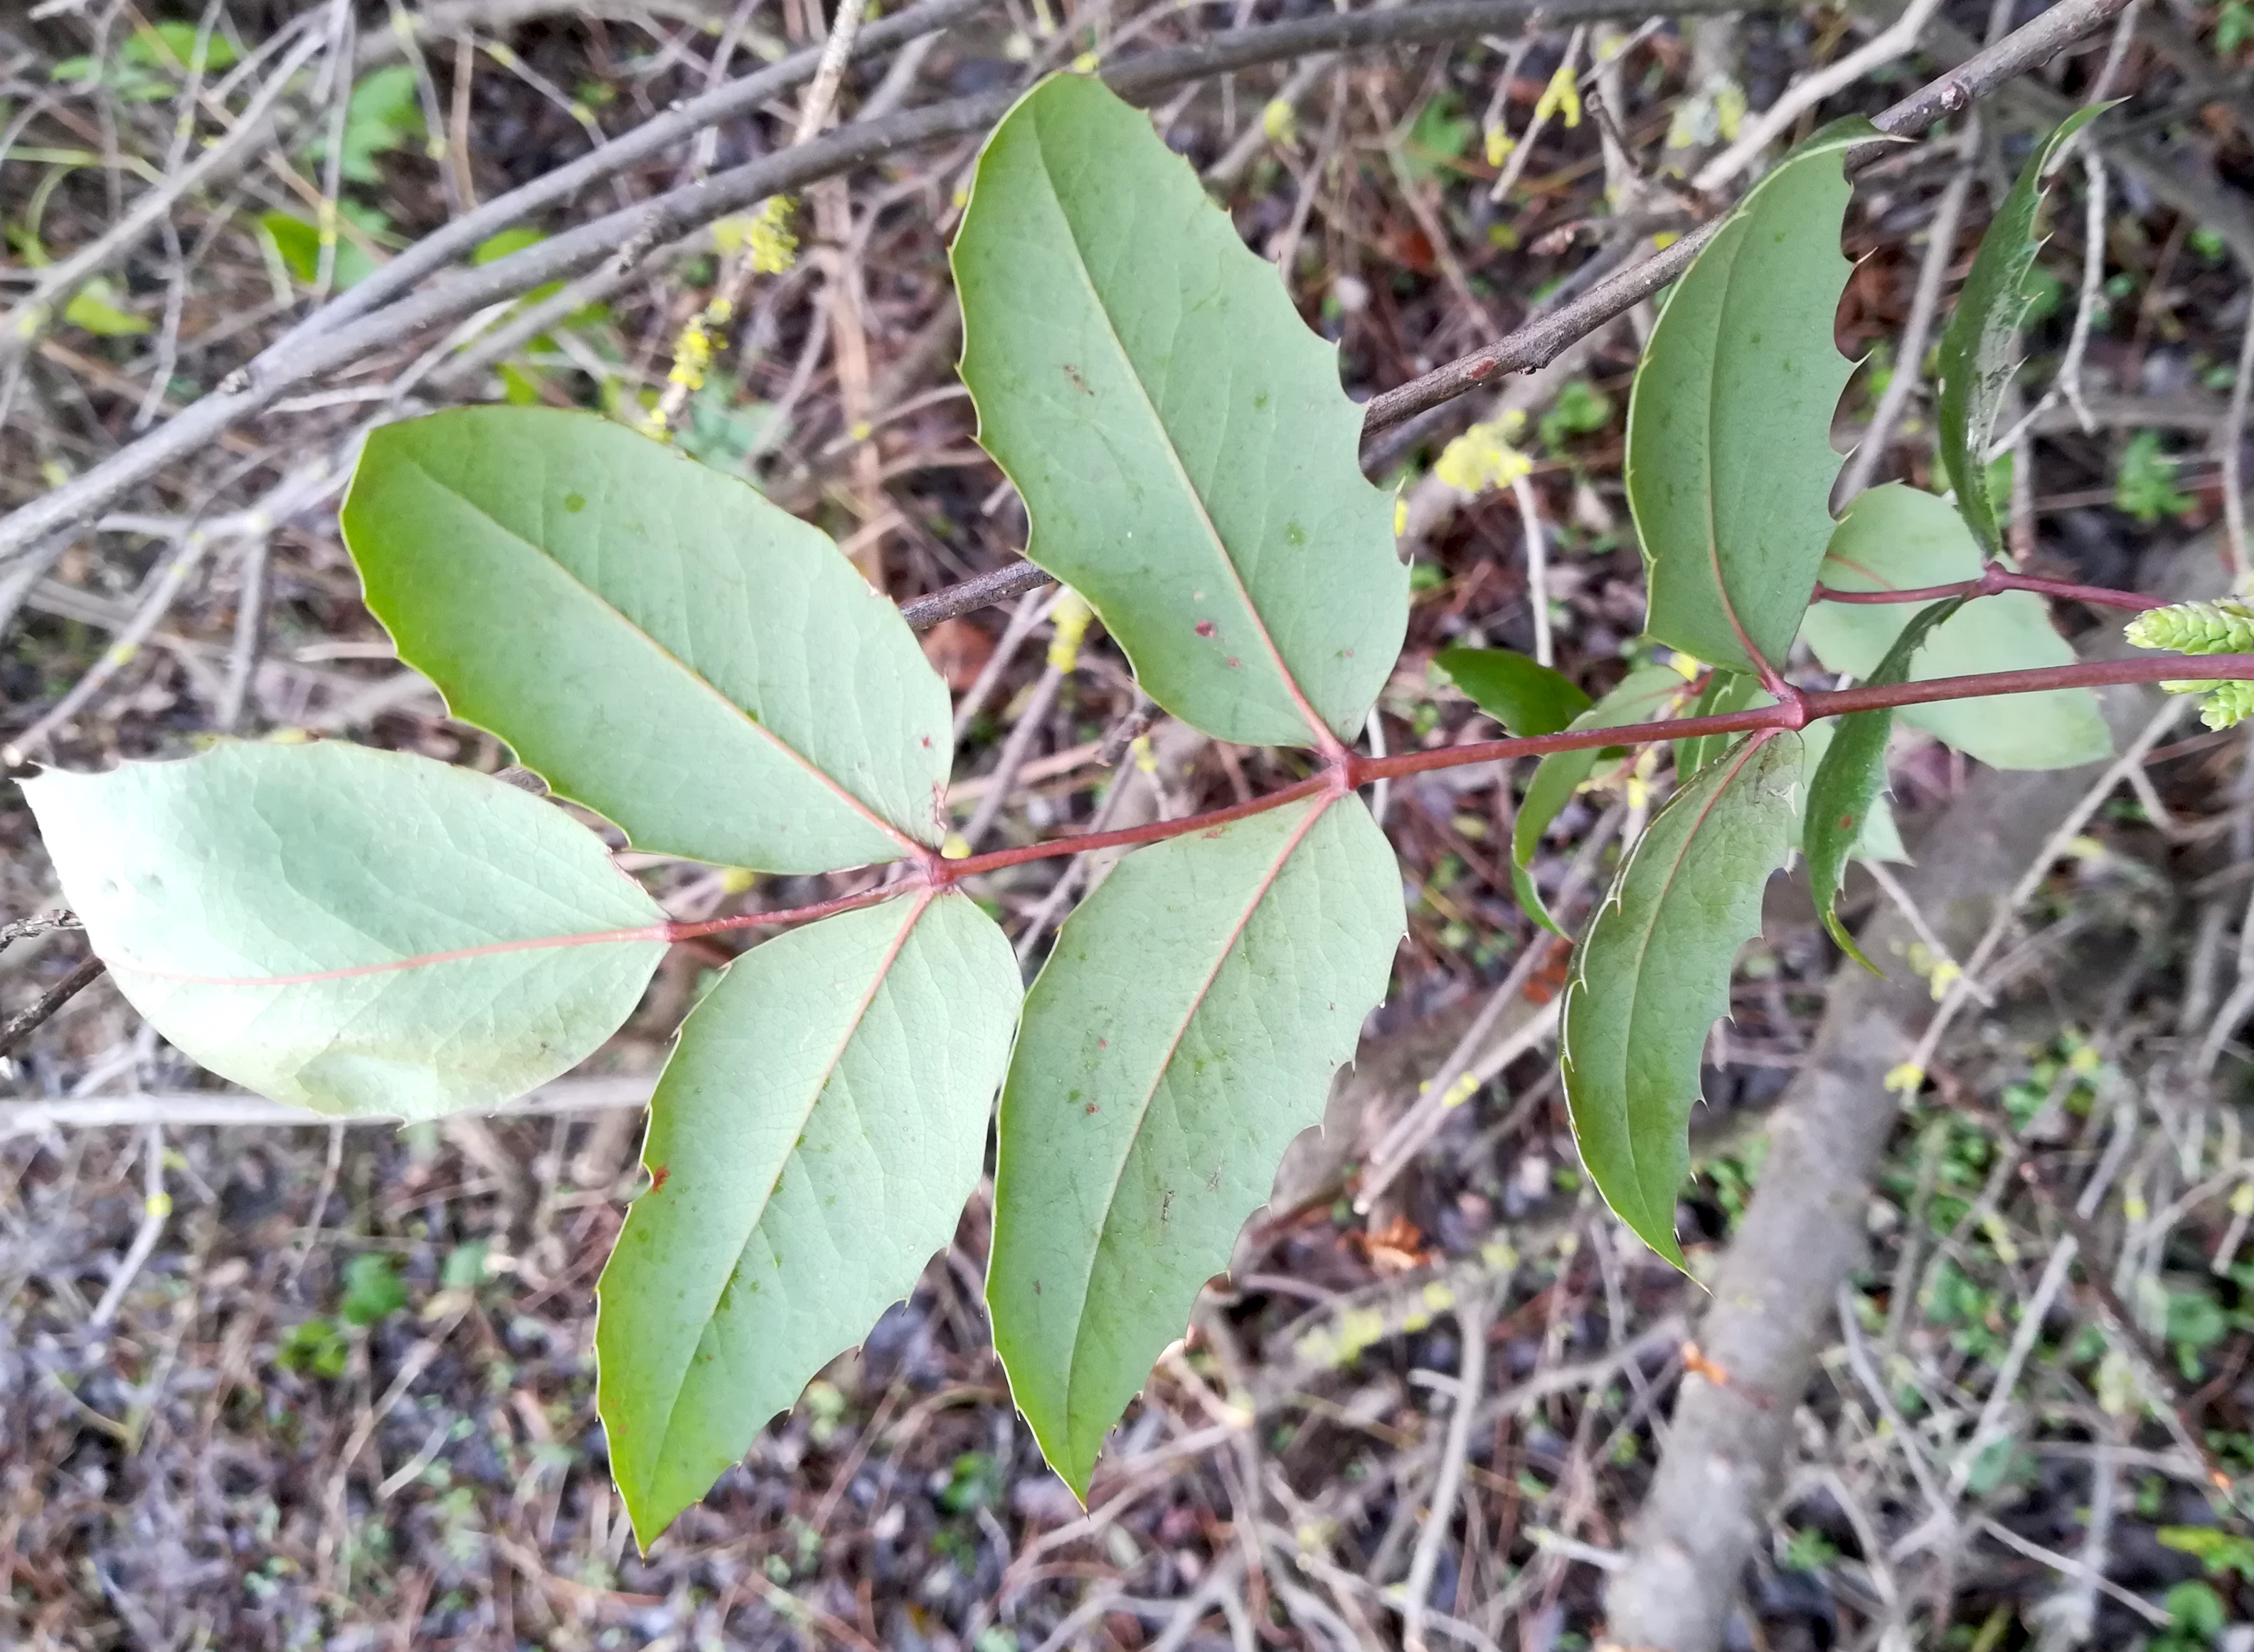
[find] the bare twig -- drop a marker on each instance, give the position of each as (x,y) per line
(1898,39)
(1471,1378)
(23,1024)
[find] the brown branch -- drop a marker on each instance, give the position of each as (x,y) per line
(2025,48)
(23,1024)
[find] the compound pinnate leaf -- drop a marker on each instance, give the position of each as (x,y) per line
(1730,464)
(1183,1032)
(811,1144)
(1526,696)
(1979,352)
(1652,973)
(1179,437)
(353,931)
(1652,692)
(1844,792)
(1897,538)
(653,637)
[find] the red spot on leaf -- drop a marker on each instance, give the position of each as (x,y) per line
(1093,1108)
(1233,663)
(657,1177)
(1205,628)
(1846,821)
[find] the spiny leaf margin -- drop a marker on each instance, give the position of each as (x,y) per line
(1652,973)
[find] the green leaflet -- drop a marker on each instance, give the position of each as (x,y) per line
(1526,696)
(1979,352)
(655,638)
(1849,777)
(1897,538)
(1730,464)
(1643,696)
(1880,838)
(1183,1032)
(1652,973)
(1179,436)
(255,861)
(811,1144)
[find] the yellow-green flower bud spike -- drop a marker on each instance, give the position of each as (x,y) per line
(774,247)
(1280,121)
(2230,704)
(1482,456)
(1562,96)
(692,355)
(2226,626)
(1070,617)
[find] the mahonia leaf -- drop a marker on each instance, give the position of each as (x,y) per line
(1526,696)
(1979,352)
(654,638)
(1730,464)
(1652,973)
(1844,791)
(1184,1030)
(1651,692)
(353,931)
(811,1144)
(1179,437)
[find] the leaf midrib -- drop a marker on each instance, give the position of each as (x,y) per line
(1290,846)
(917,907)
(1315,724)
(821,776)
(1643,950)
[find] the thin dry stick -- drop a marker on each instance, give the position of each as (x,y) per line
(1538,568)
(1514,162)
(2232,437)
(1471,1378)
(1015,749)
(1898,40)
(22,1026)
(156,1209)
